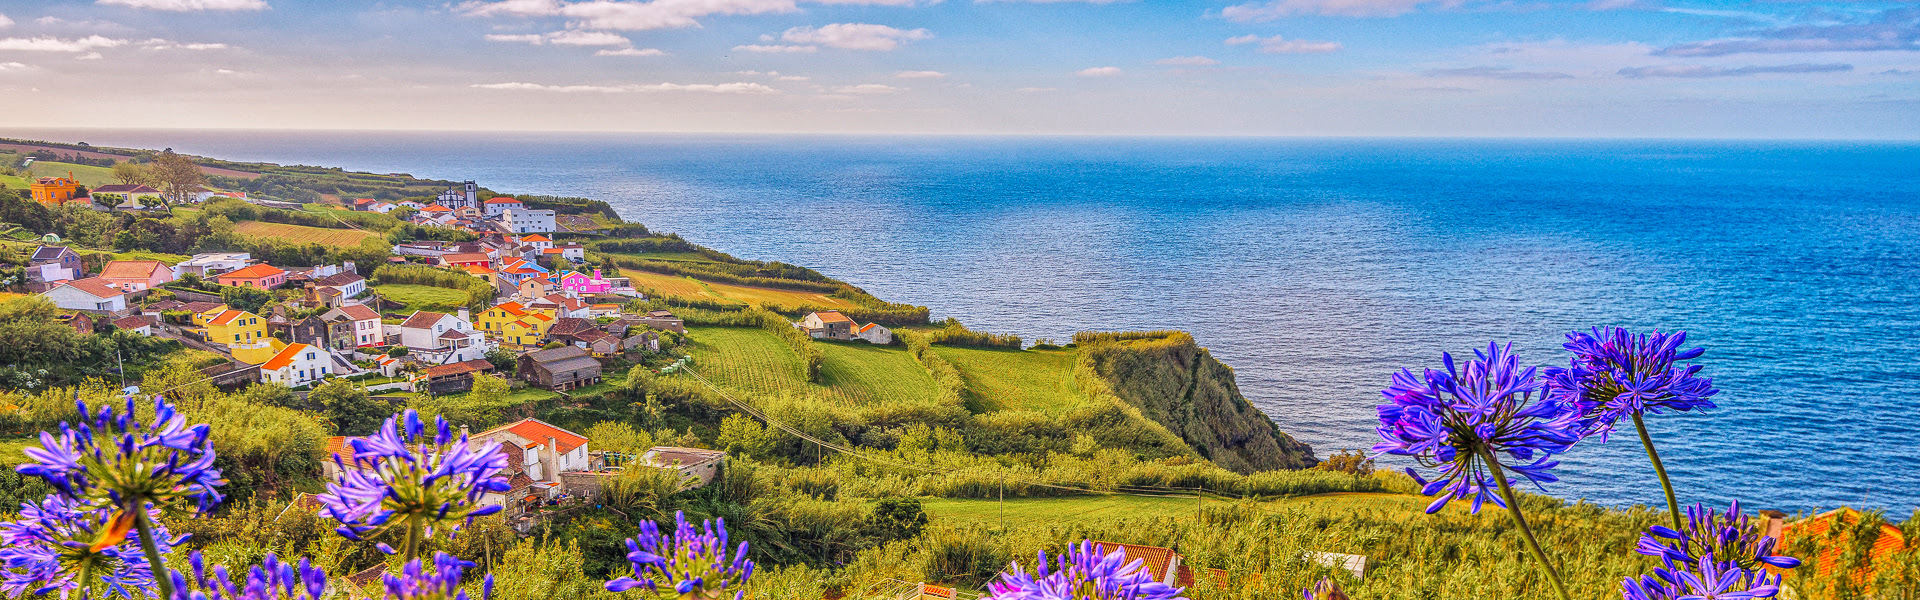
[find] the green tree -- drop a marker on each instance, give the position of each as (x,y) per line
(615,436)
(898,518)
(245,298)
(129,173)
(350,409)
(503,359)
(179,178)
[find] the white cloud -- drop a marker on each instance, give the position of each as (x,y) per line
(160,44)
(1279,45)
(1187,61)
(564,38)
(1098,72)
(869,88)
(854,36)
(793,78)
(89,56)
(1257,12)
(53,44)
(920,75)
(713,88)
(189,5)
(878,2)
(527,38)
(1035,90)
(1053,2)
(225,72)
(5,22)
(630,52)
(775,49)
(626,15)
(12,66)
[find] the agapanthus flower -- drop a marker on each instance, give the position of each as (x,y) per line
(1708,579)
(1453,419)
(690,564)
(416,582)
(272,579)
(1082,573)
(1707,532)
(116,460)
(56,546)
(1326,589)
(413,481)
(1615,374)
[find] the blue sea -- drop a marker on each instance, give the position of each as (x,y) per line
(1318,267)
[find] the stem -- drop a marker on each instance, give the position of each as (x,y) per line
(1513,507)
(1673,504)
(144,523)
(415,529)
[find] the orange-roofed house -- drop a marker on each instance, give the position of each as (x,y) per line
(260,277)
(1830,537)
(136,275)
(828,324)
(873,332)
(235,327)
(92,293)
(539,242)
(500,204)
(546,450)
(537,286)
(296,365)
(56,191)
(465,259)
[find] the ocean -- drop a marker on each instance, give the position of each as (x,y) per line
(1318,267)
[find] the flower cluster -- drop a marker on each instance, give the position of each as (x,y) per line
(691,563)
(55,545)
(409,480)
(1728,535)
(1459,418)
(115,459)
(416,582)
(1082,573)
(1326,589)
(1710,579)
(1615,374)
(273,579)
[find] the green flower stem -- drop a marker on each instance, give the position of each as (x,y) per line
(1513,507)
(144,523)
(415,530)
(1673,503)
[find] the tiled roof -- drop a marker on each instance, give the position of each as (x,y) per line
(1889,541)
(121,188)
(339,445)
(49,252)
(1157,559)
(572,325)
(358,312)
(132,269)
(535,238)
(133,322)
(253,272)
(227,316)
(422,319)
(477,270)
(337,279)
(512,308)
(867,327)
(470,366)
(94,286)
(200,307)
(552,251)
(285,357)
(453,334)
(436,208)
(502,200)
(832,316)
(466,257)
(538,431)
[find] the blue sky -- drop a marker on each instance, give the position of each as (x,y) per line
(1590,68)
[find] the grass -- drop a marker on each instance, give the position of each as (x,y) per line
(15,183)
(1105,510)
(1017,379)
(89,175)
(423,297)
(170,259)
(688,287)
(670,256)
(668,285)
(342,238)
(753,361)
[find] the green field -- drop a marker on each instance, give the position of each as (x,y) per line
(422,297)
(342,238)
(752,360)
(687,287)
(1109,509)
(89,176)
(14,183)
(1017,379)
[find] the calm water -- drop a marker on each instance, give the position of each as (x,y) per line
(1317,267)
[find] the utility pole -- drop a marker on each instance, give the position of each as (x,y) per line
(1198,495)
(1003,502)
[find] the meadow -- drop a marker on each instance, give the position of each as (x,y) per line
(1017,379)
(690,288)
(301,234)
(88,175)
(753,361)
(423,297)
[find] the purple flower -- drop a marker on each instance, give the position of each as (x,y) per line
(413,481)
(1082,573)
(1326,589)
(117,460)
(54,544)
(1708,580)
(1709,533)
(272,579)
(1615,374)
(1454,419)
(416,582)
(691,563)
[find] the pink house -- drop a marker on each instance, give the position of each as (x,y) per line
(580,283)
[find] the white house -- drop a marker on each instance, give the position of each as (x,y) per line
(697,466)
(540,449)
(91,293)
(495,206)
(140,324)
(350,284)
(575,252)
(297,365)
(439,338)
(537,241)
(366,323)
(527,220)
(215,263)
(873,332)
(468,194)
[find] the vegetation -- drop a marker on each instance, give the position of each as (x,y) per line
(301,234)
(414,285)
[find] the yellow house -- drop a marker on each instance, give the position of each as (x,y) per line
(495,319)
(528,331)
(235,327)
(201,318)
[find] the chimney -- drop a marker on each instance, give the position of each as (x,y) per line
(1774,524)
(463,315)
(596,273)
(347,267)
(463,431)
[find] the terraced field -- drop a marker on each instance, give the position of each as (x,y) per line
(670,286)
(753,361)
(344,238)
(687,287)
(869,373)
(1017,379)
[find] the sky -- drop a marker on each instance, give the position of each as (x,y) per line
(1505,68)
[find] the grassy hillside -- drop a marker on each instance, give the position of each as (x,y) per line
(423,297)
(753,361)
(690,288)
(1017,379)
(89,175)
(872,374)
(300,234)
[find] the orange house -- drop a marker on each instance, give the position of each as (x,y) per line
(264,277)
(55,191)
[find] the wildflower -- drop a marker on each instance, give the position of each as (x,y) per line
(1709,579)
(1460,419)
(1727,535)
(1327,589)
(130,467)
(272,579)
(413,482)
(53,546)
(1082,573)
(692,564)
(1615,374)
(416,582)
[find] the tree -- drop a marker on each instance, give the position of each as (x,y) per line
(615,436)
(132,174)
(178,177)
(488,390)
(503,359)
(245,298)
(350,409)
(899,518)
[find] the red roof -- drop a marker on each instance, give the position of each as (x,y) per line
(436,208)
(95,287)
(512,308)
(359,312)
(1889,541)
(226,317)
(132,269)
(459,368)
(422,319)
(253,272)
(832,316)
(535,238)
(502,200)
(285,357)
(538,431)
(1157,559)
(466,257)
